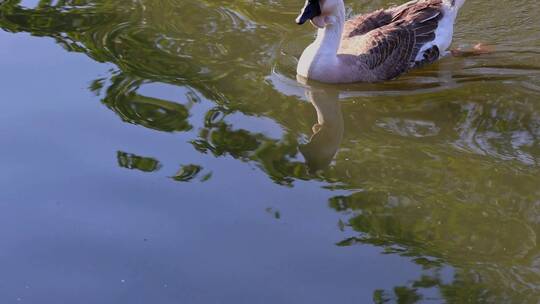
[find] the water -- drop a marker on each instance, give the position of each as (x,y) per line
(163,152)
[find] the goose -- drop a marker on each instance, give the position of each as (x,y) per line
(377,46)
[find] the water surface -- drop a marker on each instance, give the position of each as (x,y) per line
(163,152)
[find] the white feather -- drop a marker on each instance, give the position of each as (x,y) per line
(445,29)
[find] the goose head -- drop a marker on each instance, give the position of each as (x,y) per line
(319,12)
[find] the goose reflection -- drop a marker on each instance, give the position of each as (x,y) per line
(327,131)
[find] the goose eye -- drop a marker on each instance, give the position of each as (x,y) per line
(311,10)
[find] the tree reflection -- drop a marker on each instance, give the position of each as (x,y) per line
(152,113)
(132,161)
(187,173)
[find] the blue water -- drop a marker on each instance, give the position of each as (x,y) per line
(78,228)
(125,178)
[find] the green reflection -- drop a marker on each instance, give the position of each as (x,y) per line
(132,161)
(152,113)
(187,173)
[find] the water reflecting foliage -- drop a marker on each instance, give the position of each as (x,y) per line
(441,166)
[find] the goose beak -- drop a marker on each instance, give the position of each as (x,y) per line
(311,10)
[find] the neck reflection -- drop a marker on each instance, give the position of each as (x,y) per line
(327,131)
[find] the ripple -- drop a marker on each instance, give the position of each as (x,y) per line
(490,135)
(408,127)
(152,113)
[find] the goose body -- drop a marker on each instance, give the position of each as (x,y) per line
(376,46)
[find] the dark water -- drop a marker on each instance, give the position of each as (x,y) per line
(163,152)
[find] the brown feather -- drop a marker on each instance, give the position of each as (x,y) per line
(392,38)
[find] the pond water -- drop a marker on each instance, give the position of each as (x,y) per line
(163,152)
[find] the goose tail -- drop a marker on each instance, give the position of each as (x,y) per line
(443,32)
(454,4)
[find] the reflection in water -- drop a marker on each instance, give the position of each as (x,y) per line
(188,173)
(441,166)
(492,261)
(495,131)
(132,161)
(122,98)
(274,213)
(327,132)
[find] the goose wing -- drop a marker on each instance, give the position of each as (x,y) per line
(388,41)
(363,24)
(390,51)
